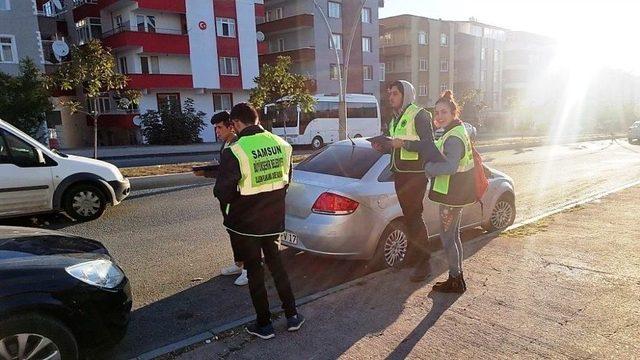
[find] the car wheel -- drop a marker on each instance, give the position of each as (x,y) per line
(392,246)
(357,136)
(33,336)
(503,214)
(317,143)
(84,202)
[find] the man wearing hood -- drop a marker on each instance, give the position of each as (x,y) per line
(411,147)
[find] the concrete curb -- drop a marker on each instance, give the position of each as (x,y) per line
(310,298)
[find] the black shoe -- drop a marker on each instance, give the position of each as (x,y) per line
(264,332)
(295,322)
(452,285)
(421,271)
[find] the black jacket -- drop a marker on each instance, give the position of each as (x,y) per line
(258,214)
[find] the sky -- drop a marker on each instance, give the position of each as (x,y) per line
(603,33)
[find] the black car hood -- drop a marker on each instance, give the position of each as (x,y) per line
(26,244)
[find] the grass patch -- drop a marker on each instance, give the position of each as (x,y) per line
(537,227)
(175,168)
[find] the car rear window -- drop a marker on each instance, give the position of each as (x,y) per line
(341,160)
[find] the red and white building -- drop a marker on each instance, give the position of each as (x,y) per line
(171,50)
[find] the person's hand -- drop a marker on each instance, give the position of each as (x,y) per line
(397,143)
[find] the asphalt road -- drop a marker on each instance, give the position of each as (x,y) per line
(172,244)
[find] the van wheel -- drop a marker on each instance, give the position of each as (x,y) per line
(392,246)
(503,214)
(33,336)
(357,136)
(84,202)
(317,143)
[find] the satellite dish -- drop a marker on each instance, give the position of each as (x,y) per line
(57,4)
(137,121)
(260,36)
(60,49)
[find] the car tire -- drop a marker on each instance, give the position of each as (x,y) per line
(503,214)
(392,246)
(357,136)
(38,329)
(317,143)
(84,202)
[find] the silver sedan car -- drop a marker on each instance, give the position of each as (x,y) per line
(342,203)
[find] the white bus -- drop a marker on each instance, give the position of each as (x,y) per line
(320,126)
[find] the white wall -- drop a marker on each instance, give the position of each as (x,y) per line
(202,102)
(175,65)
(164,21)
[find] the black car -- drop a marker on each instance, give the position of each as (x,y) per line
(59,294)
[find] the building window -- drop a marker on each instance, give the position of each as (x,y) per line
(222,102)
(367,72)
(483,76)
(146,23)
(496,56)
(422,38)
(122,65)
(337,39)
(335,10)
(273,15)
(383,71)
(366,44)
(8,50)
(483,54)
(169,101)
(150,64)
(281,46)
(444,40)
(390,66)
(443,87)
(226,27)
(104,104)
(424,64)
(5,5)
(229,66)
(422,90)
(87,29)
(117,23)
(366,15)
(333,71)
(444,65)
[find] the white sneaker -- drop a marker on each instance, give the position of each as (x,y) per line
(231,270)
(242,280)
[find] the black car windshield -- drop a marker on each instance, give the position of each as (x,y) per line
(341,160)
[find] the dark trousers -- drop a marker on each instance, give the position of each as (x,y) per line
(251,252)
(411,188)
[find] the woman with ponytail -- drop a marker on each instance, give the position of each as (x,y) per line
(452,186)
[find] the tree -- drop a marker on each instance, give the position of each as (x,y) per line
(277,82)
(172,126)
(469,103)
(92,68)
(24,99)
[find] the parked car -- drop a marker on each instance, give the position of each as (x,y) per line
(59,294)
(342,203)
(633,134)
(34,179)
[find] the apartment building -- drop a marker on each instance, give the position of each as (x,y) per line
(19,35)
(297,28)
(527,57)
(421,51)
(479,61)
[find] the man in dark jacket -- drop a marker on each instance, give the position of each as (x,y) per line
(254,175)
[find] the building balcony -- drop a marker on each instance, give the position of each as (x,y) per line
(297,55)
(159,81)
(83,9)
(166,41)
(173,6)
(287,24)
(395,50)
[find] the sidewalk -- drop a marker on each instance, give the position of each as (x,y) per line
(565,287)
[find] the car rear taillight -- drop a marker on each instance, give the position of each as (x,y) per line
(334,204)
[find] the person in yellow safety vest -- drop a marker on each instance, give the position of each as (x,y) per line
(224,130)
(453,187)
(412,144)
(255,172)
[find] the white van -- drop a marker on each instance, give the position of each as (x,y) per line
(320,126)
(34,179)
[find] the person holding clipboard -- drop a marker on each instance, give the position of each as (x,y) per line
(411,145)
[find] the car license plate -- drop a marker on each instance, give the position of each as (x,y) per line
(289,238)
